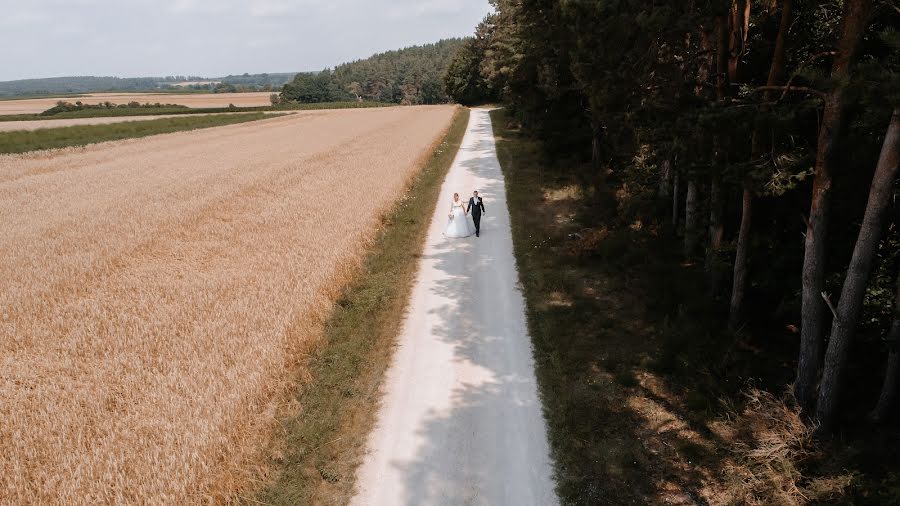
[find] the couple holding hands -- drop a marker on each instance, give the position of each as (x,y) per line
(459,224)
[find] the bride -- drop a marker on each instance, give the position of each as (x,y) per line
(459,225)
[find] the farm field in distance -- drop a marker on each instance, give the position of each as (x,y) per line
(160,294)
(38,105)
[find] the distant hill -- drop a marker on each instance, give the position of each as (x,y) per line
(93,84)
(413,75)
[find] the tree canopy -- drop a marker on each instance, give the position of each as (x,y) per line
(412,75)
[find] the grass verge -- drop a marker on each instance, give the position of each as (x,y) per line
(116,112)
(325,441)
(21,141)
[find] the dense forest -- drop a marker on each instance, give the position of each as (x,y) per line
(413,75)
(764,135)
(94,84)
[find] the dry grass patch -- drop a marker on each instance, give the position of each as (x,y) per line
(772,443)
(160,295)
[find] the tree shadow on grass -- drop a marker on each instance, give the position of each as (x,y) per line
(622,430)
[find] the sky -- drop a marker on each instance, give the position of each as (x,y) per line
(214,38)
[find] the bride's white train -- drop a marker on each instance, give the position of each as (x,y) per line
(458,224)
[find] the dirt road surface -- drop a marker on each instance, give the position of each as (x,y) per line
(461,421)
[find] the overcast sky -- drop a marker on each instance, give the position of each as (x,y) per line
(212,38)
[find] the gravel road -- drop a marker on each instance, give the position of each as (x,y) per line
(460,421)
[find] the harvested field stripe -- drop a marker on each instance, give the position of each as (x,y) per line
(22,141)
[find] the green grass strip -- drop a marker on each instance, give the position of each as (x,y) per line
(115,112)
(21,141)
(326,440)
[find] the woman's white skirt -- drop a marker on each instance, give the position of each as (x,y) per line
(459,226)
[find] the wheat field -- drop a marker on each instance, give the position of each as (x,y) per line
(38,105)
(158,295)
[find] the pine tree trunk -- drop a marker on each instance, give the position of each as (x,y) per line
(813,312)
(776,70)
(892,375)
(854,289)
(739,279)
(595,148)
(722,35)
(676,205)
(665,178)
(690,219)
(740,24)
(725,26)
(716,232)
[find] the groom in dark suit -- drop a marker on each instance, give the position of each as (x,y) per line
(476,207)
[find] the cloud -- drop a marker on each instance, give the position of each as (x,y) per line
(263,8)
(426,7)
(216,37)
(254,8)
(23,18)
(199,6)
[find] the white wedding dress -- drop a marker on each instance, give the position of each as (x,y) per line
(459,224)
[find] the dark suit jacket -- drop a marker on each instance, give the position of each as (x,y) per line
(479,206)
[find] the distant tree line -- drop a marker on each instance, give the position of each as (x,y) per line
(770,129)
(413,75)
(242,83)
(77,84)
(93,84)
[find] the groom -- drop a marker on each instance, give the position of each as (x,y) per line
(478,204)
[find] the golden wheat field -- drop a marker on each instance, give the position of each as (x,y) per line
(158,294)
(37,105)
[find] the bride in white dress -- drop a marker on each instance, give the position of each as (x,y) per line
(459,225)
